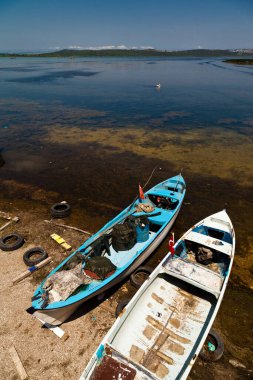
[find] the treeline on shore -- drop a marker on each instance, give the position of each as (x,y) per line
(132,53)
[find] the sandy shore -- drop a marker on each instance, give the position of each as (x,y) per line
(43,354)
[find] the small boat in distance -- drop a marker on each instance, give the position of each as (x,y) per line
(158,85)
(160,333)
(111,254)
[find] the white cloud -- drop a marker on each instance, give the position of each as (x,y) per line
(107,47)
(104,47)
(146,47)
(76,47)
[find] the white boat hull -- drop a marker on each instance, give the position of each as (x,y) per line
(166,323)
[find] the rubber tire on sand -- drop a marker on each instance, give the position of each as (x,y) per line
(19,241)
(135,281)
(60,210)
(212,356)
(28,256)
(121,305)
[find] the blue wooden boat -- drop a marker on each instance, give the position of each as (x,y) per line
(161,204)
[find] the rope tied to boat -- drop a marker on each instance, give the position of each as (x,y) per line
(144,207)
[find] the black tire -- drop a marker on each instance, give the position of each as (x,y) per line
(140,275)
(60,210)
(34,256)
(120,307)
(212,356)
(11,242)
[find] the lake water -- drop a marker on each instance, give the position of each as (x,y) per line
(124,88)
(89,130)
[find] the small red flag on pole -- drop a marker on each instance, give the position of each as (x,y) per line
(141,194)
(171,244)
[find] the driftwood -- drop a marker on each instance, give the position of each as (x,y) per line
(69,227)
(11,220)
(30,270)
(18,364)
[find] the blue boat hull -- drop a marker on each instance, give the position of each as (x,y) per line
(126,263)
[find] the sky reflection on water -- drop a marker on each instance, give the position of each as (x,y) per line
(202,113)
(205,88)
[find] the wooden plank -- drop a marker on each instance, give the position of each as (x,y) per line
(165,357)
(11,220)
(5,225)
(69,227)
(56,329)
(30,270)
(18,364)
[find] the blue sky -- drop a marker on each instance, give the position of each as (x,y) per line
(161,24)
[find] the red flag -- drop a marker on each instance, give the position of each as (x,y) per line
(171,244)
(141,194)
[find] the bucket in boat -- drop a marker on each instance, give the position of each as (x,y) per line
(142,229)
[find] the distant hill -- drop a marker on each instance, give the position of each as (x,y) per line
(136,53)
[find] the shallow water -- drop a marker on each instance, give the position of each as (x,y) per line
(89,130)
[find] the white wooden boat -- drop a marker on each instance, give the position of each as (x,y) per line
(163,328)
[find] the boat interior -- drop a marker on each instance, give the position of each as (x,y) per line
(163,207)
(202,258)
(211,259)
(163,329)
(212,252)
(103,246)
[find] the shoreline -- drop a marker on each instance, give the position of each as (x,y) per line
(148,53)
(240,61)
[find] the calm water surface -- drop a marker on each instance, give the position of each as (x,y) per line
(207,89)
(88,130)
